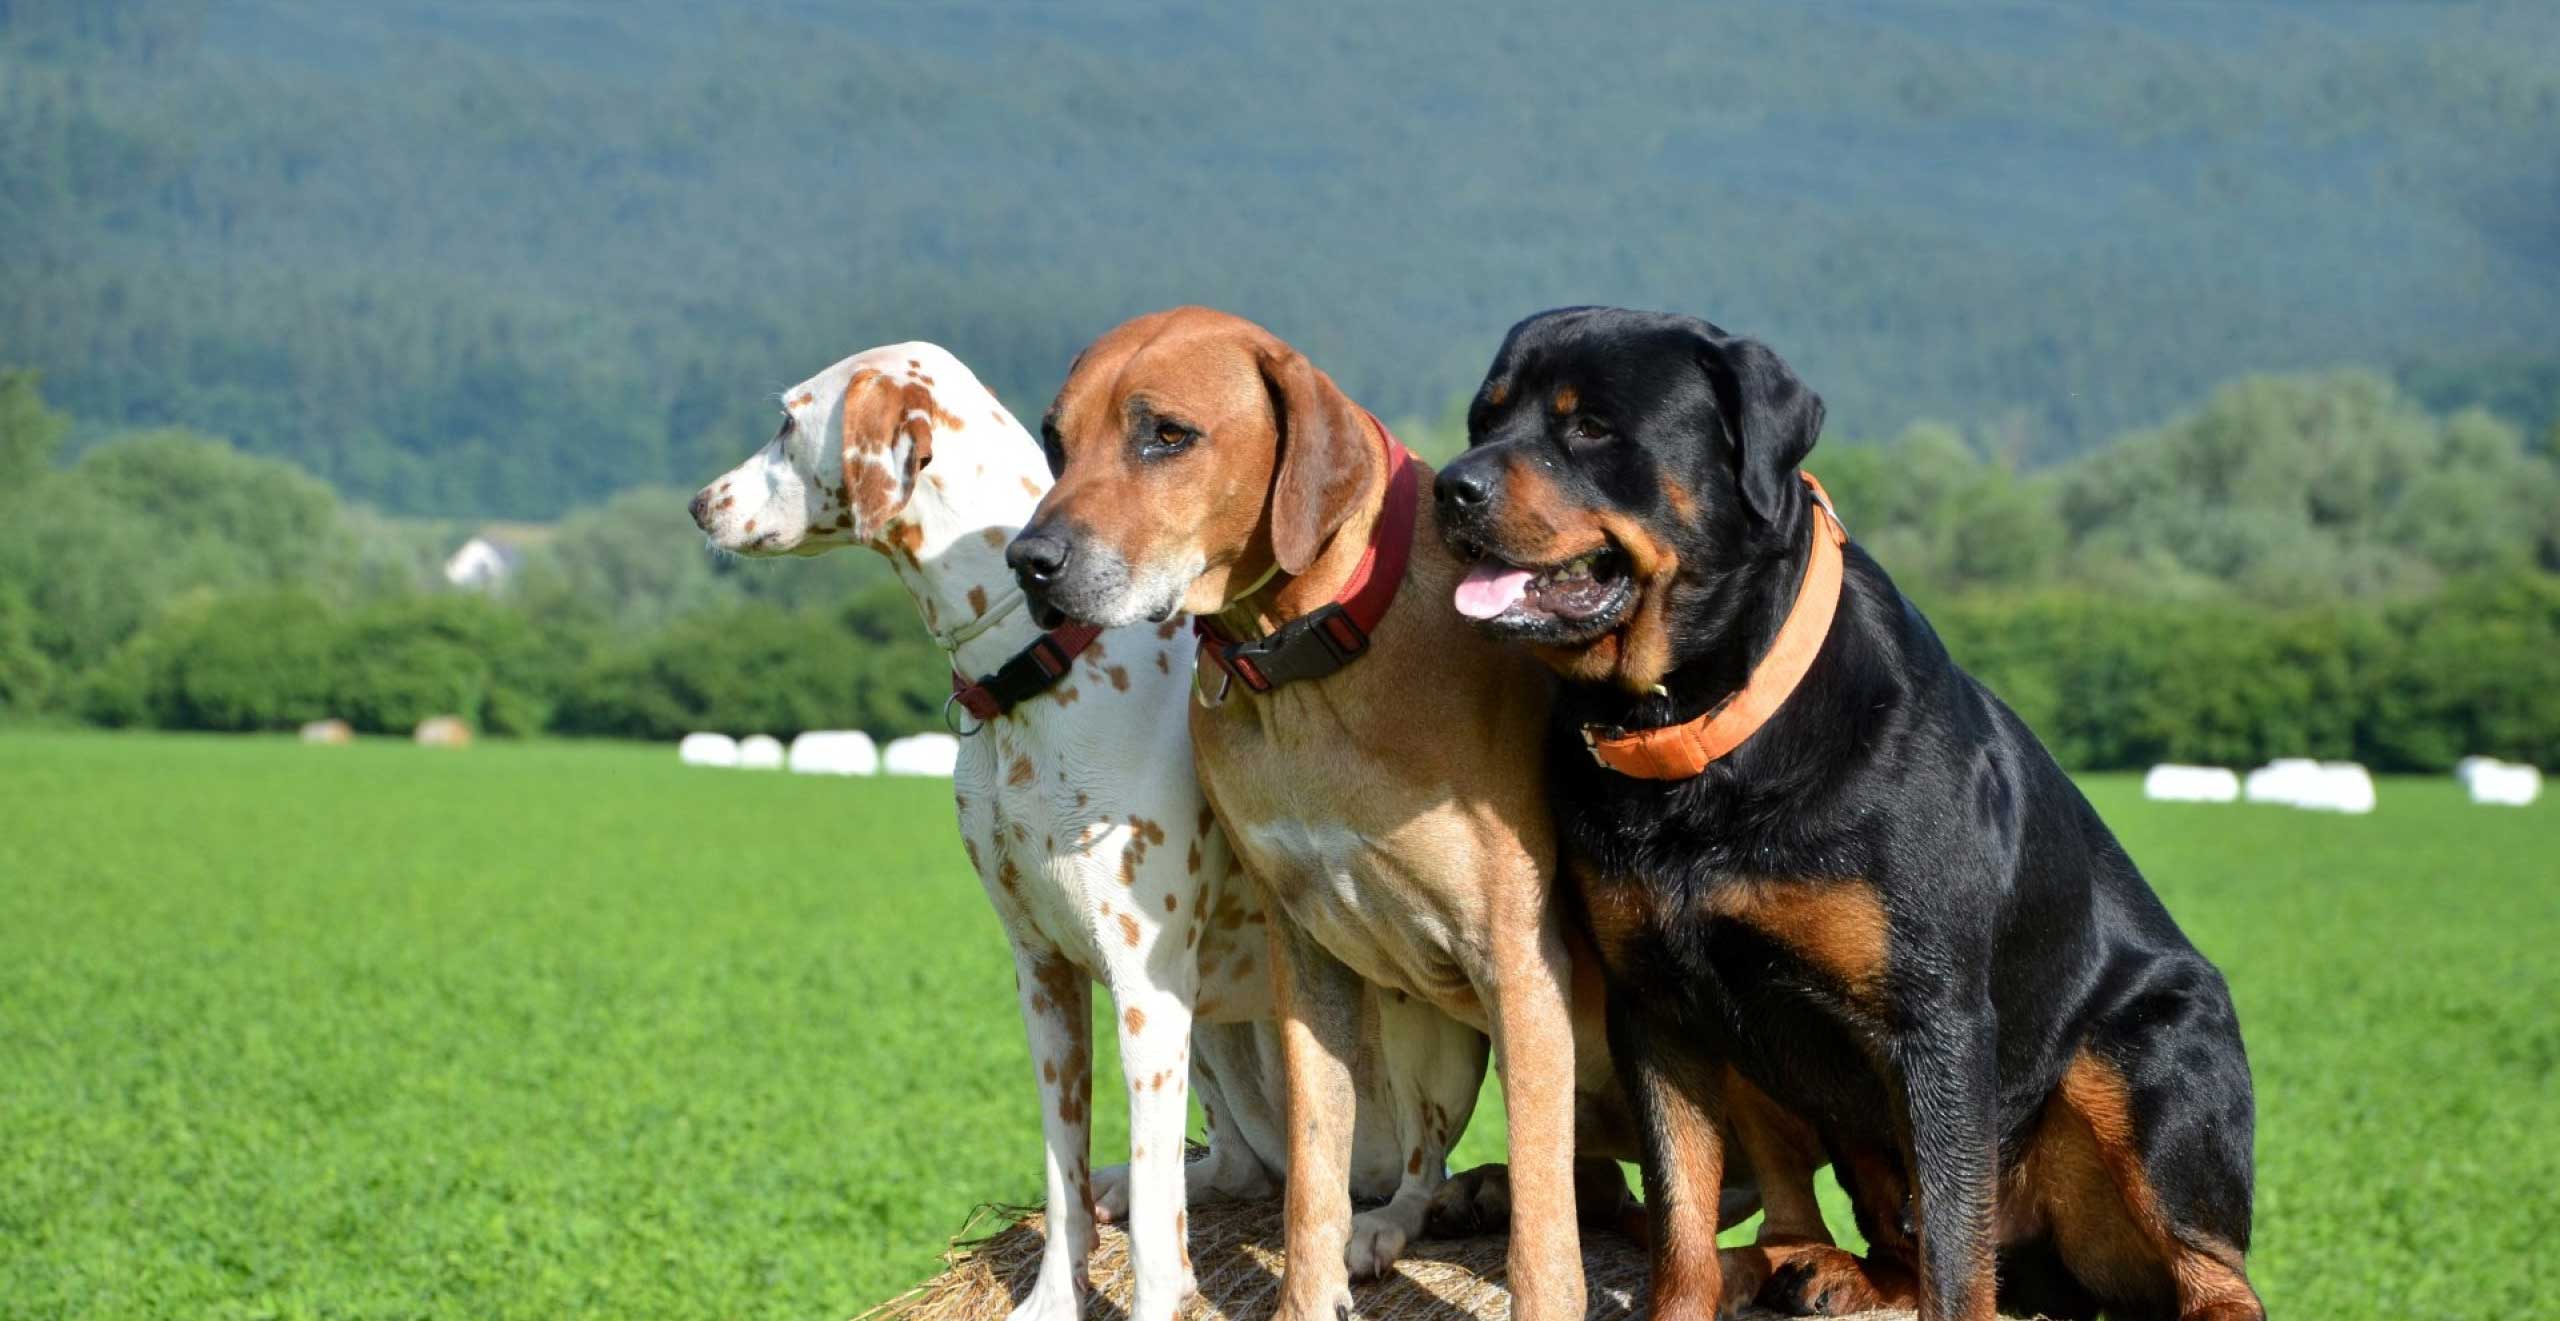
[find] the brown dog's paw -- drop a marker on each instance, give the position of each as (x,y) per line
(1818,1279)
(1472,1202)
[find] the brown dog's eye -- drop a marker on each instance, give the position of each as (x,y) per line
(1171,438)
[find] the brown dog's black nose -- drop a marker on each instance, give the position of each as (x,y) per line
(1036,559)
(701,507)
(1463,487)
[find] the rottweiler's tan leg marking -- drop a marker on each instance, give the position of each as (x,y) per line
(1683,1179)
(2085,1184)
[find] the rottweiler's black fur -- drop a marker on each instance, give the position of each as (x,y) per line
(2032,1072)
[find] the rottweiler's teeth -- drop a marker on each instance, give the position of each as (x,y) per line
(1569,570)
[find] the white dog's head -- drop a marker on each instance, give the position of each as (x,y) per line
(848,467)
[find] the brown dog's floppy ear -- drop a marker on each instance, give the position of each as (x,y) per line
(1325,454)
(1771,417)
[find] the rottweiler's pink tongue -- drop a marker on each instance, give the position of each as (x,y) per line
(1490,588)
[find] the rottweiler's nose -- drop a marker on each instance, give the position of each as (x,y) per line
(1036,558)
(1463,487)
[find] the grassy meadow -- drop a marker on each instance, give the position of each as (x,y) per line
(548,1030)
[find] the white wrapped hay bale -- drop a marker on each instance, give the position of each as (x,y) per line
(2173,783)
(707,750)
(921,754)
(834,752)
(2343,786)
(2504,784)
(759,752)
(2291,781)
(330,732)
(443,732)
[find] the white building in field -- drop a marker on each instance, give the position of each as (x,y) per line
(481,564)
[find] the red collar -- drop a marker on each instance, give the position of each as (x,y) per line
(1336,633)
(1677,752)
(1027,674)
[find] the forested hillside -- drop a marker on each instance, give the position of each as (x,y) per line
(500,259)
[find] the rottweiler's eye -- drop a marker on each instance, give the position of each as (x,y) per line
(1590,428)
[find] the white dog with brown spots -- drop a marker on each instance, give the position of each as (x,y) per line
(1081,811)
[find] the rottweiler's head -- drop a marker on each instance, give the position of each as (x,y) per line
(1624,470)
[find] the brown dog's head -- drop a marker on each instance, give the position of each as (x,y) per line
(1624,472)
(1194,452)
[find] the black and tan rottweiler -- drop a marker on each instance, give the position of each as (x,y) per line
(1812,848)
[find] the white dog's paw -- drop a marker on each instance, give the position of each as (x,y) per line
(1111,1194)
(1162,1300)
(1051,1301)
(1377,1239)
(1224,1176)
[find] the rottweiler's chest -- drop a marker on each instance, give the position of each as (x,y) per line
(1783,977)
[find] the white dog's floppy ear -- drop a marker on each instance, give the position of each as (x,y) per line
(888,431)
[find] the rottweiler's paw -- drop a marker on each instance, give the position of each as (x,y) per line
(1818,1279)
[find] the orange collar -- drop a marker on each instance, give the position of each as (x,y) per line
(1676,752)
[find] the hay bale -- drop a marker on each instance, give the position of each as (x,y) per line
(443,732)
(760,752)
(700,749)
(833,752)
(921,754)
(1235,1251)
(331,733)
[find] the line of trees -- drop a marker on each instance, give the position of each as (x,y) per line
(2304,566)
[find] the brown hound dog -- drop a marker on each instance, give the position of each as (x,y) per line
(1394,810)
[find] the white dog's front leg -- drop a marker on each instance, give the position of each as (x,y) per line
(1434,1068)
(1229,1082)
(1057,1013)
(1155,1057)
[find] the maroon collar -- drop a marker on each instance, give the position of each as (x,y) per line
(1027,674)
(1336,633)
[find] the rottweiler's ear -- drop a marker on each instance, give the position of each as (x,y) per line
(1324,456)
(1771,417)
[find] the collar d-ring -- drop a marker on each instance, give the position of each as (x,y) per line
(952,722)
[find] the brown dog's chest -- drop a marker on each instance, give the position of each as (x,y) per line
(1373,851)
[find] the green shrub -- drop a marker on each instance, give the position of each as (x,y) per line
(761,669)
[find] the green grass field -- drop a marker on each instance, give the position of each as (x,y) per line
(568,1030)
